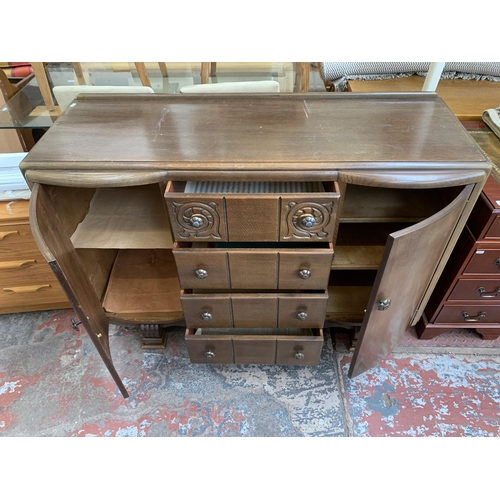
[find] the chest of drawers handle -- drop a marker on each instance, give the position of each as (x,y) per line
(16,264)
(210,354)
(206,316)
(497,262)
(4,234)
(305,274)
(201,273)
(26,289)
(302,315)
(488,295)
(299,355)
(473,319)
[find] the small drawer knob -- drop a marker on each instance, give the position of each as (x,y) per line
(299,355)
(210,354)
(305,274)
(196,221)
(384,304)
(201,273)
(302,315)
(308,221)
(206,316)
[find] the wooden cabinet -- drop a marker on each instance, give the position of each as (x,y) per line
(468,292)
(224,212)
(27,283)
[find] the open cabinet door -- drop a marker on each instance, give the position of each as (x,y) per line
(410,259)
(59,252)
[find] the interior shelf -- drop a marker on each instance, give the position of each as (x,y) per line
(133,217)
(347,303)
(361,245)
(369,204)
(143,286)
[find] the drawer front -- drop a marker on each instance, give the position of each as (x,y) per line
(494,229)
(251,217)
(470,316)
(201,268)
(484,261)
(254,310)
(302,311)
(254,350)
(266,269)
(15,239)
(202,349)
(38,295)
(202,311)
(246,347)
(308,218)
(305,270)
(301,350)
(477,289)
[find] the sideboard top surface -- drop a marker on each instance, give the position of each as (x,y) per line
(255,131)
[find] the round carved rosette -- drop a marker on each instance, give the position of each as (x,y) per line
(197,220)
(307,219)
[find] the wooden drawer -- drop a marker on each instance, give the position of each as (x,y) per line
(273,346)
(270,215)
(253,268)
(476,289)
(254,310)
(494,229)
(470,316)
(484,261)
(15,238)
(37,292)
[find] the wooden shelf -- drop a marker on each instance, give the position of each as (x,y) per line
(368,204)
(357,257)
(143,287)
(132,217)
(347,303)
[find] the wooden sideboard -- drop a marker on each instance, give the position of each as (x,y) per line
(223,212)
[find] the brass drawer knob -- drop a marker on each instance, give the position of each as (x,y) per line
(299,355)
(302,315)
(305,274)
(210,354)
(201,273)
(206,316)
(473,319)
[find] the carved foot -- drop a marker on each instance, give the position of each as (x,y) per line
(154,336)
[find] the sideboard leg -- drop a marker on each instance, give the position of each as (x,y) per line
(154,336)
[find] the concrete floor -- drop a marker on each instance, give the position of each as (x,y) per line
(53,383)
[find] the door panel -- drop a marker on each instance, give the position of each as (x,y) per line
(59,252)
(410,259)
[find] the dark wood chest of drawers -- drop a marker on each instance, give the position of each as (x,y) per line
(468,292)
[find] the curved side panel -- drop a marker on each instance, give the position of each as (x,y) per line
(84,179)
(59,252)
(414,180)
